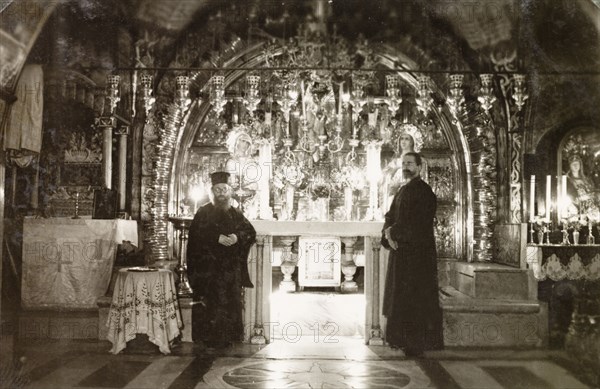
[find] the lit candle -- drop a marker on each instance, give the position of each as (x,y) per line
(340,98)
(303,106)
(532,198)
(548,194)
(563,199)
(354,128)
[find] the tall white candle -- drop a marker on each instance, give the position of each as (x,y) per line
(532,198)
(348,202)
(548,194)
(340,98)
(563,196)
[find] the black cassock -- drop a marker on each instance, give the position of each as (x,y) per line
(217,273)
(411,302)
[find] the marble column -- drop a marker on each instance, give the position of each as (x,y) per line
(107,156)
(106,124)
(348,265)
(376,334)
(288,265)
(122,133)
(258,336)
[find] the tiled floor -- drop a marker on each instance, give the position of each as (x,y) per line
(343,362)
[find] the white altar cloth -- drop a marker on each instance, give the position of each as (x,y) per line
(67,263)
(144,303)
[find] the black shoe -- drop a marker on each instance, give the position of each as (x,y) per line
(394,346)
(410,352)
(219,345)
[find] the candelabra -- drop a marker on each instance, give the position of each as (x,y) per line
(394,99)
(146,94)
(531,232)
(424,100)
(252,98)
(486,93)
(112,92)
(217,94)
(456,99)
(182,93)
(519,95)
(74,194)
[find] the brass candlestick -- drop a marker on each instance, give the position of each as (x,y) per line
(76,215)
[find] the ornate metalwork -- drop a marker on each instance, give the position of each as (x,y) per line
(160,182)
(486,96)
(424,100)
(445,232)
(516,140)
(440,176)
(456,99)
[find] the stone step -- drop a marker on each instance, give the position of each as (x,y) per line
(493,281)
(58,324)
(493,323)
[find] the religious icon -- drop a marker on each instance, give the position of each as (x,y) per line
(105,204)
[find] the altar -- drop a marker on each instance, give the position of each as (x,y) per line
(284,234)
(67,263)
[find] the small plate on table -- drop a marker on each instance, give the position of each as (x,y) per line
(143,268)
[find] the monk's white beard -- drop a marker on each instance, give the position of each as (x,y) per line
(224,205)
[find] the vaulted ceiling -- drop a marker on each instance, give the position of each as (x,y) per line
(557,43)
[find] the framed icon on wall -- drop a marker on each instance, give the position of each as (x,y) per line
(105,204)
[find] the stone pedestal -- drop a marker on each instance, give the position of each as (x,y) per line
(348,266)
(493,305)
(288,265)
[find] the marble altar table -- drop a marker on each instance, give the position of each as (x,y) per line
(144,302)
(67,263)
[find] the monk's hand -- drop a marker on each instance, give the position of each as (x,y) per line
(387,233)
(233,238)
(225,240)
(388,236)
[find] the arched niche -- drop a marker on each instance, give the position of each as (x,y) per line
(455,208)
(550,160)
(578,161)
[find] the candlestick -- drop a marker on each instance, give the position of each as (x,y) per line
(548,194)
(532,198)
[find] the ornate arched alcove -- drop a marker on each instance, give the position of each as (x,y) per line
(448,158)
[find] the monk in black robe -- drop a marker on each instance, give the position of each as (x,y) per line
(219,241)
(411,302)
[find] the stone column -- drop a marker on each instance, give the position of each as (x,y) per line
(288,265)
(122,133)
(348,265)
(259,335)
(106,124)
(376,335)
(107,157)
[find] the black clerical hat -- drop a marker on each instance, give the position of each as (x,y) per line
(219,178)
